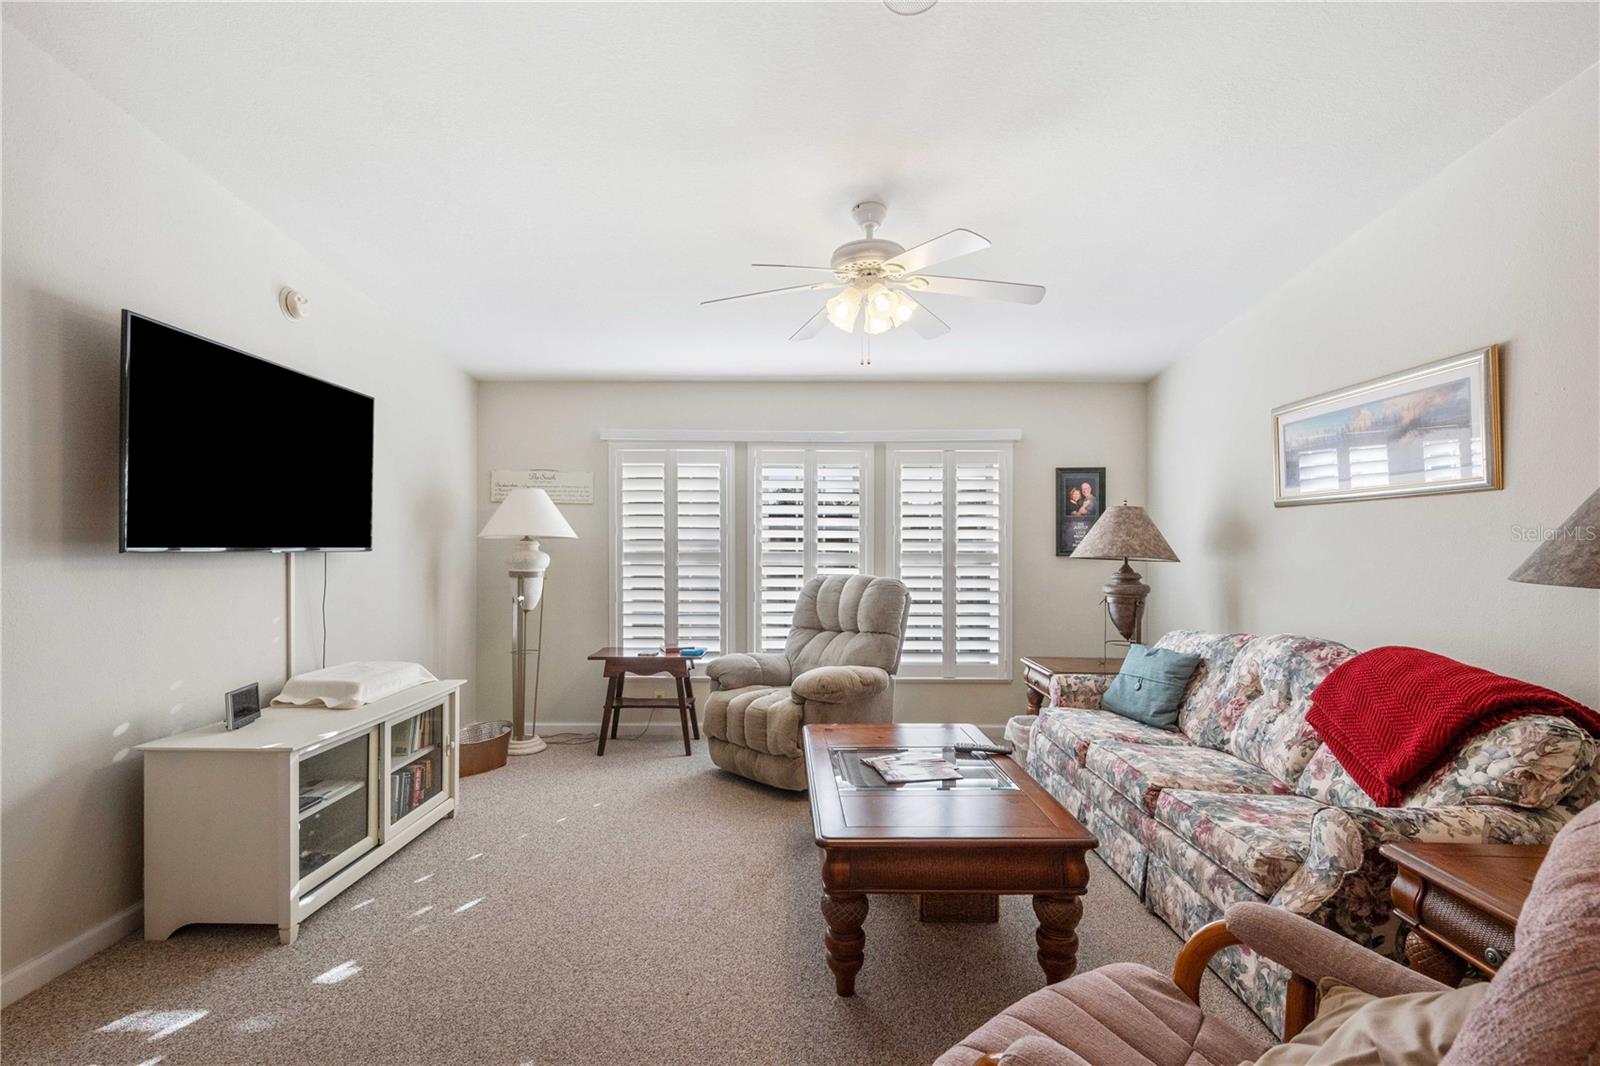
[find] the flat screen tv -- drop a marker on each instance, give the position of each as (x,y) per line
(222,451)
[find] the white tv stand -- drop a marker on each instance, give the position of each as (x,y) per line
(265,824)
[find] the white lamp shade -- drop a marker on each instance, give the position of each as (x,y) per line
(527,513)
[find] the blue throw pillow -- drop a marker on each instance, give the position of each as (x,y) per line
(1150,686)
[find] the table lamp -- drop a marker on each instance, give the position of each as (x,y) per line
(527,515)
(1570,557)
(1125,532)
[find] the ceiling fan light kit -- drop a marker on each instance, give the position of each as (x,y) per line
(876,278)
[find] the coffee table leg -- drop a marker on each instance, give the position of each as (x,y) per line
(844,913)
(1058,935)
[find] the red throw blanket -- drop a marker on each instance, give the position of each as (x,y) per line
(1390,714)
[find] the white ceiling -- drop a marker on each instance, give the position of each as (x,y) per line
(565,182)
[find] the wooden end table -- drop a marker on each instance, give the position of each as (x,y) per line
(619,664)
(1460,903)
(1036,671)
(998,833)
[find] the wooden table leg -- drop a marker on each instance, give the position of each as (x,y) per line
(683,713)
(694,717)
(844,912)
(616,714)
(607,714)
(1058,935)
(1431,960)
(1035,700)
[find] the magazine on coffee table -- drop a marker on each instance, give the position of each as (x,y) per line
(907,766)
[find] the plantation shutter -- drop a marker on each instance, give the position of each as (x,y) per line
(677,498)
(809,507)
(949,542)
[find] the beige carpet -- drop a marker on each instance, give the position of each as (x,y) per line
(642,908)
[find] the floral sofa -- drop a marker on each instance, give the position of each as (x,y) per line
(1243,801)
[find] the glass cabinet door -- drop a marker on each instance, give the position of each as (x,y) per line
(417,763)
(335,807)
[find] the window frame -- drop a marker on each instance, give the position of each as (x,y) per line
(619,452)
(950,670)
(865,453)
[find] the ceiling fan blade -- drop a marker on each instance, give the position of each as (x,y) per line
(943,247)
(927,324)
(1015,292)
(813,325)
(792,266)
(774,292)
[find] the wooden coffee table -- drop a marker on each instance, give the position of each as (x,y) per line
(1000,833)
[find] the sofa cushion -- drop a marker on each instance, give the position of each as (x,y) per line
(1122,1013)
(1075,730)
(1261,840)
(1216,651)
(1260,714)
(1140,771)
(1150,685)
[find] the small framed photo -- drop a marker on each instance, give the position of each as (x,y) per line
(1080,500)
(243,706)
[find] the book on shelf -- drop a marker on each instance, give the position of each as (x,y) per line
(906,766)
(416,733)
(410,786)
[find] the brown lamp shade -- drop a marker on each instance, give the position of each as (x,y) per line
(1571,557)
(1125,532)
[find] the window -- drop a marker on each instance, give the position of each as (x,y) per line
(809,516)
(949,542)
(671,560)
(933,510)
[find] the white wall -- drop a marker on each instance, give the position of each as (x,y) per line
(103,651)
(535,424)
(1498,248)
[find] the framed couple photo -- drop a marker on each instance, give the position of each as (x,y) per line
(1080,500)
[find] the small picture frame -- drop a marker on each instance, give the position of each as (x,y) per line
(242,706)
(1080,501)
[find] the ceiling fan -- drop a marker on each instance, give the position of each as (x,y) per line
(879,280)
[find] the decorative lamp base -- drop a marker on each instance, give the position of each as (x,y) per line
(527,745)
(1125,595)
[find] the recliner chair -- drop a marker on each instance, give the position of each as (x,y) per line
(837,666)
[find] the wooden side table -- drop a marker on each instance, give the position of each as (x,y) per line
(1036,671)
(619,664)
(1460,903)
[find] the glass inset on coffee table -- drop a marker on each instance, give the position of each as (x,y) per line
(979,773)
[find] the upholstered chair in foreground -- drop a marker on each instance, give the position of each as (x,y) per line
(1345,1001)
(837,666)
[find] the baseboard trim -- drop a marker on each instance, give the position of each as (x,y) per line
(42,969)
(665,725)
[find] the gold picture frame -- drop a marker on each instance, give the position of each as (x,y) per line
(1432,429)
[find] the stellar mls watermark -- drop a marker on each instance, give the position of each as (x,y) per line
(1540,534)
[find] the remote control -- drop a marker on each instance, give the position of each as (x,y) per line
(968,748)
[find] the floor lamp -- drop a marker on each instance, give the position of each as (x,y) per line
(528,516)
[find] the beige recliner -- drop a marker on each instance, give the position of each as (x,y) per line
(837,666)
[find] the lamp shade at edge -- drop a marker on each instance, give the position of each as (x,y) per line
(1570,557)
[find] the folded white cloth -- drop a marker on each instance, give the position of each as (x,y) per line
(351,684)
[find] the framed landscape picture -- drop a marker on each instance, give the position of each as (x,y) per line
(1080,499)
(1433,428)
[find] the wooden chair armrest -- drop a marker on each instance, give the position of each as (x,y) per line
(1190,965)
(1300,1001)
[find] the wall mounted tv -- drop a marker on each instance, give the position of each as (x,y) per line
(222,451)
